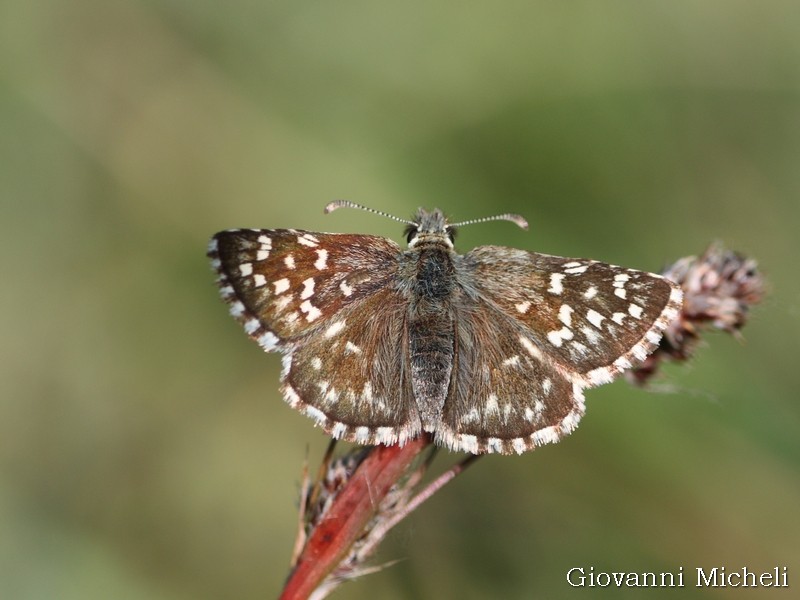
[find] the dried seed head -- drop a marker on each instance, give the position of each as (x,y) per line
(719,288)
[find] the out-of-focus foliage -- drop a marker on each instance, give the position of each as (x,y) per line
(144,449)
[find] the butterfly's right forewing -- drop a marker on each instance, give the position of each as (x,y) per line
(282,284)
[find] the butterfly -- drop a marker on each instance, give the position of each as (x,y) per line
(488,351)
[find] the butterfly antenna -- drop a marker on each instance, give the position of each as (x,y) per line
(336,204)
(516,219)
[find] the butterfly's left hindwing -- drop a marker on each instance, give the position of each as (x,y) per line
(506,396)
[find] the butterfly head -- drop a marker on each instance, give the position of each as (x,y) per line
(430,227)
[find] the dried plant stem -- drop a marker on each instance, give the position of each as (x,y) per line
(381,529)
(347,518)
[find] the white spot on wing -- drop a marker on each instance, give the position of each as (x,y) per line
(621,293)
(595,318)
(494,444)
(289,261)
(472,416)
(523,306)
(557,337)
(622,363)
(281,285)
(259,280)
(322,260)
(334,329)
(639,351)
(286,365)
(346,289)
(565,315)
(570,422)
(579,348)
(308,288)
(654,337)
(491,405)
(291,396)
(316,414)
(591,335)
(312,311)
(576,270)
(308,240)
(555,283)
(590,293)
(635,311)
(252,326)
(548,435)
(332,396)
(282,302)
(236,309)
(362,434)
(268,341)
(600,376)
(467,443)
(531,347)
(385,435)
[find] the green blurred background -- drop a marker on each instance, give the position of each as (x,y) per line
(145,451)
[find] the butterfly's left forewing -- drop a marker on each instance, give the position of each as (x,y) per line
(594,319)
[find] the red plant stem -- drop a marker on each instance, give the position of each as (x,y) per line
(353,508)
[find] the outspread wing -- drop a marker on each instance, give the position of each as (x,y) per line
(594,318)
(353,378)
(283,284)
(327,301)
(535,331)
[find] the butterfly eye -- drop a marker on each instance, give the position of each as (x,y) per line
(411,233)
